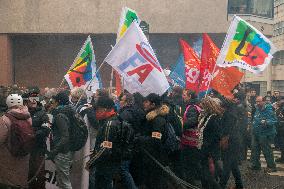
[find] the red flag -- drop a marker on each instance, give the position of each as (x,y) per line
(225,81)
(117,83)
(192,66)
(209,56)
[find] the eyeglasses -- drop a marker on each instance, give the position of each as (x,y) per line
(32,99)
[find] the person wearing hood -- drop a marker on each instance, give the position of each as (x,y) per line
(60,152)
(153,139)
(13,170)
(263,134)
(41,127)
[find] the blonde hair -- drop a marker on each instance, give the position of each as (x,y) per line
(212,106)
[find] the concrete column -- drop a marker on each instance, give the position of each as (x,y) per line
(6,67)
(269,77)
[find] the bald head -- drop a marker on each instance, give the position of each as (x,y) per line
(259,101)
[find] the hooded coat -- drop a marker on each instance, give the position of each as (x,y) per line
(13,170)
(155,123)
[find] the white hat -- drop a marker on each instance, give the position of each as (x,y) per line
(14,100)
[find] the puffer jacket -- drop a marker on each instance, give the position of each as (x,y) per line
(13,170)
(267,114)
(154,134)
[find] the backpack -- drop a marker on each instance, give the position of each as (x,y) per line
(172,141)
(78,132)
(22,137)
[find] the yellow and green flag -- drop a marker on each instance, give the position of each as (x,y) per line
(245,47)
(83,68)
(127,17)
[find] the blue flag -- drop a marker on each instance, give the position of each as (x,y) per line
(177,75)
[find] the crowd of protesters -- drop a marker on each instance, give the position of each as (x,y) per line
(166,141)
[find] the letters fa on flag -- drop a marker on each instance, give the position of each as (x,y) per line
(134,59)
(142,61)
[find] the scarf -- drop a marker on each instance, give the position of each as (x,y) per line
(105,115)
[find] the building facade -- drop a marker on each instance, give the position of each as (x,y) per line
(40,39)
(272,78)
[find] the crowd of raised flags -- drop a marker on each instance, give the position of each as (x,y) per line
(136,68)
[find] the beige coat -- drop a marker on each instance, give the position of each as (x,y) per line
(13,170)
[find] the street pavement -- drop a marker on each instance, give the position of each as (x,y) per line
(261,179)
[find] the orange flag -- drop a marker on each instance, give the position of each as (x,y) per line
(225,80)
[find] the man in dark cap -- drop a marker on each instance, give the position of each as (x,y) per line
(60,152)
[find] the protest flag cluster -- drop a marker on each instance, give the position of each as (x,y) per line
(133,59)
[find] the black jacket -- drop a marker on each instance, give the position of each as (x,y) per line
(60,129)
(280,119)
(39,117)
(211,138)
(231,129)
(109,130)
(156,123)
(133,115)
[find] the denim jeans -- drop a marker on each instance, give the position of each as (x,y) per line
(230,163)
(262,143)
(104,176)
(126,176)
(63,164)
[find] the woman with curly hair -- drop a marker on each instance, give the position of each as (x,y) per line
(210,132)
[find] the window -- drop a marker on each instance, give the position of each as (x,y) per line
(278,85)
(278,58)
(278,28)
(278,2)
(255,7)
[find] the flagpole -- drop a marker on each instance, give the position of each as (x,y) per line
(90,83)
(211,78)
